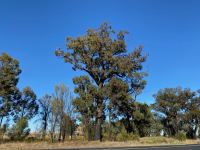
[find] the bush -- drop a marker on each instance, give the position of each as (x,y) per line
(133,137)
(124,136)
(127,137)
(105,136)
(2,131)
(20,130)
(181,136)
(32,139)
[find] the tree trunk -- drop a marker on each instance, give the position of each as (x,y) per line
(99,115)
(109,123)
(60,132)
(87,128)
(88,132)
(53,125)
(99,121)
(128,124)
(44,128)
(196,129)
(63,135)
(1,120)
(61,127)
(197,132)
(71,129)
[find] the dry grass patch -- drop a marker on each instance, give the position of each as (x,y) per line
(147,141)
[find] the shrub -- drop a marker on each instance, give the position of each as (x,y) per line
(181,136)
(32,139)
(133,137)
(127,137)
(20,130)
(105,136)
(124,136)
(2,131)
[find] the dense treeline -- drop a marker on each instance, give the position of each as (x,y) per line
(104,104)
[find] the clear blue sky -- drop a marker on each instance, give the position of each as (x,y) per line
(30,31)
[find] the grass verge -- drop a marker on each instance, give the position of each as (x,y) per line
(147,141)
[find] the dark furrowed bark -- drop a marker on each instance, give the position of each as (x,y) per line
(99,121)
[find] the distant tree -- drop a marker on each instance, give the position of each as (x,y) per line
(143,119)
(61,95)
(27,106)
(61,112)
(192,117)
(45,110)
(20,130)
(156,125)
(54,118)
(136,117)
(120,102)
(85,101)
(69,122)
(69,126)
(71,116)
(102,54)
(171,104)
(9,93)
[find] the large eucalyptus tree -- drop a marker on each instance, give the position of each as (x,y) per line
(102,53)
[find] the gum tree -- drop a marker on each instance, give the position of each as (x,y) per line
(84,103)
(9,93)
(27,105)
(171,104)
(102,54)
(45,110)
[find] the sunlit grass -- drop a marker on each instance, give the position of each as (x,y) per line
(78,143)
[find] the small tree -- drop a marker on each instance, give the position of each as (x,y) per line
(20,130)
(171,104)
(27,106)
(120,102)
(54,120)
(61,95)
(45,110)
(192,117)
(84,103)
(61,109)
(156,125)
(9,93)
(143,119)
